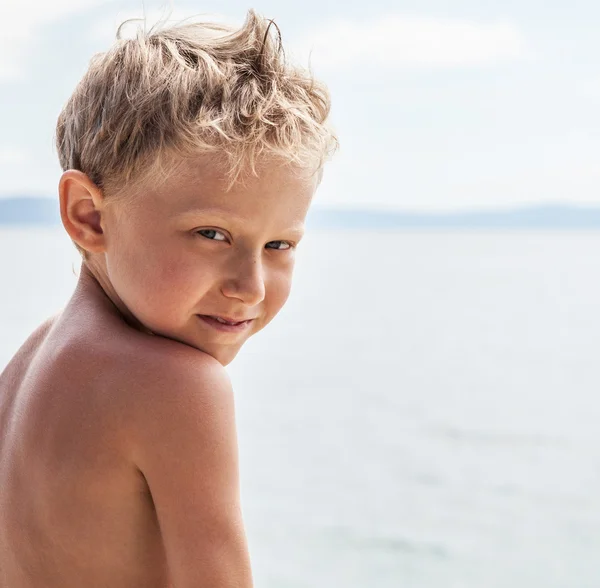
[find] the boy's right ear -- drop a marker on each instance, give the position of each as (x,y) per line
(81,204)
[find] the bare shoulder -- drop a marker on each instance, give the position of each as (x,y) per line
(182,403)
(163,377)
(161,385)
(160,363)
(177,393)
(26,351)
(179,397)
(42,330)
(37,335)
(183,440)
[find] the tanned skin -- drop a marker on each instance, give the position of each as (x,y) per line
(118,449)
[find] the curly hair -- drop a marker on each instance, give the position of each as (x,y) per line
(191,89)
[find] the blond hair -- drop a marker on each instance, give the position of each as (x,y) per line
(192,89)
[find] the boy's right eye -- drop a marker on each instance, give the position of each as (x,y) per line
(212,234)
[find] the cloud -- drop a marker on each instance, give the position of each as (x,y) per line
(410,41)
(22,20)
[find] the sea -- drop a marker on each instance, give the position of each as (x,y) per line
(423,413)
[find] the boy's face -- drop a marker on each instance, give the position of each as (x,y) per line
(188,250)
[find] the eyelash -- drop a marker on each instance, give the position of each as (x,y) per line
(289,244)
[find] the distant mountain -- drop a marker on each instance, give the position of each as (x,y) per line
(542,216)
(24,211)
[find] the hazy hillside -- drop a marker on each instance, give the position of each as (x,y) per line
(23,211)
(543,216)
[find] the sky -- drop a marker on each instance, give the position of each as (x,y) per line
(438,106)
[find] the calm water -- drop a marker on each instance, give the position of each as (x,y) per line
(423,413)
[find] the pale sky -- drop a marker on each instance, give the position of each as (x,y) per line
(477,105)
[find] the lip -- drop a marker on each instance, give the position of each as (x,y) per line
(215,324)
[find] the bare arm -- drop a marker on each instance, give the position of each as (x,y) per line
(185,444)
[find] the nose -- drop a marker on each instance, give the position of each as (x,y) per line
(246,280)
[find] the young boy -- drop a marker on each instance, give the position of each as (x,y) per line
(190,158)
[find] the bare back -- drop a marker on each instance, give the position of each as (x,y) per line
(118,459)
(74,511)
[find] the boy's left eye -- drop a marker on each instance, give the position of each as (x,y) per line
(212,234)
(279,244)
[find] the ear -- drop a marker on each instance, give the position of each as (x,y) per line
(81,204)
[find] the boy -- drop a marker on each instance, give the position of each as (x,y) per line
(190,158)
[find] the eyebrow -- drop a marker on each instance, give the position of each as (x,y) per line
(228,216)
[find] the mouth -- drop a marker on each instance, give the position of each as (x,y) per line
(225,324)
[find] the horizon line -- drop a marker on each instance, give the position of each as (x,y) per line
(498,209)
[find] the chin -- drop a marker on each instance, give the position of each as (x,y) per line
(224,355)
(225,358)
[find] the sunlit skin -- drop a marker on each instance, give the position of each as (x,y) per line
(118,446)
(190,246)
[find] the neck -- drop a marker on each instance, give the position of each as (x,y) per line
(94,282)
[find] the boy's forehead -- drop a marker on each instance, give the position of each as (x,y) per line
(213,170)
(202,182)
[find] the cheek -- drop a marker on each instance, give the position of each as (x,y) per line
(152,279)
(279,290)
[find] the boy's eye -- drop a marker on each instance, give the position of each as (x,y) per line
(281,245)
(212,234)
